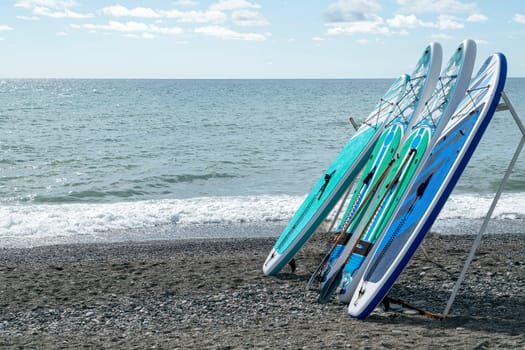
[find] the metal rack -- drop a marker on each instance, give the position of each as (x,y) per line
(506,105)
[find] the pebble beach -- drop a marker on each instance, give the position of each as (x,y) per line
(200,294)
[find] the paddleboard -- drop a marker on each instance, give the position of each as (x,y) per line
(421,84)
(431,188)
(334,182)
(447,94)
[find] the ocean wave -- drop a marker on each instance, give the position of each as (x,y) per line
(69,221)
(90,219)
(88,195)
(471,206)
(172,179)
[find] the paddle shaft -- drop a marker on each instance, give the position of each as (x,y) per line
(331,284)
(340,235)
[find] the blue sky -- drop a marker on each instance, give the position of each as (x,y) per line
(247,38)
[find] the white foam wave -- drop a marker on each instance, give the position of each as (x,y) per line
(50,224)
(464,206)
(87,219)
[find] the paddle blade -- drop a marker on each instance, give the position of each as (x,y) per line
(314,278)
(329,287)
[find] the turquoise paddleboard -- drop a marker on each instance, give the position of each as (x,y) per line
(333,183)
(422,82)
(427,194)
(448,92)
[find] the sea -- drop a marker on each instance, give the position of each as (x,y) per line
(96,161)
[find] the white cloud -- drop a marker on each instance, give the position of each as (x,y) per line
(62,34)
(210,16)
(4,27)
(148,36)
(519,18)
(164,30)
(242,14)
(228,34)
(410,21)
(444,22)
(361,6)
(441,36)
(248,18)
(351,11)
(362,41)
(187,3)
(55,4)
(318,38)
(28,18)
(130,28)
(346,17)
(65,13)
(229,5)
(477,18)
(481,41)
(437,6)
(372,26)
(448,22)
(52,8)
(122,11)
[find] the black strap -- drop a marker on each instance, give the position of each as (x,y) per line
(327,178)
(363,248)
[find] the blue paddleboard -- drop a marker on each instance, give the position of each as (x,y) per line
(433,184)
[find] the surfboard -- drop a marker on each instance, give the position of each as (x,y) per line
(422,81)
(432,186)
(447,94)
(334,182)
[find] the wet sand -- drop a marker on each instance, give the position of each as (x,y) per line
(212,294)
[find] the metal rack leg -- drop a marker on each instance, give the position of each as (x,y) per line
(477,241)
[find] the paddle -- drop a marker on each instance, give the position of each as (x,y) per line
(341,235)
(387,300)
(333,282)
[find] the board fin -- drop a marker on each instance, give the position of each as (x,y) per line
(293,265)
